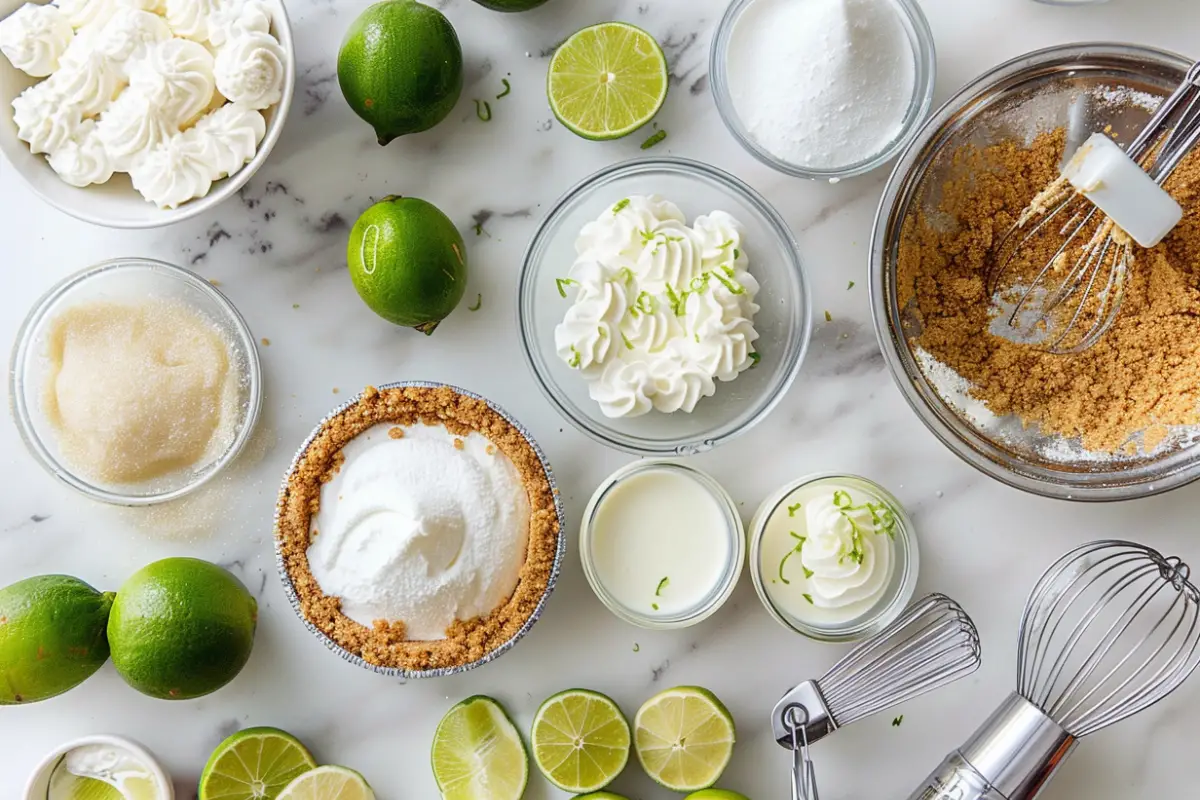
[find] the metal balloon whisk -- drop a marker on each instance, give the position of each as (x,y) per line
(931,644)
(1111,629)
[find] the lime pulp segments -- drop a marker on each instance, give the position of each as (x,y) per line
(684,738)
(580,740)
(328,783)
(254,764)
(608,80)
(478,753)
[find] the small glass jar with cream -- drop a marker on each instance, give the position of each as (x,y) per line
(833,557)
(662,544)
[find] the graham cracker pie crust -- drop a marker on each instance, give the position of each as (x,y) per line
(385,644)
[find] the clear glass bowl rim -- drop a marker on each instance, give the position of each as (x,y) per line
(963,440)
(859,629)
(925,55)
(19,403)
(733,569)
(525,324)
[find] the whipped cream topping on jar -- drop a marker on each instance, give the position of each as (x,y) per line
(660,310)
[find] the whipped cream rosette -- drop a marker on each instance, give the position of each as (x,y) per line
(176,77)
(34,37)
(83,159)
(250,69)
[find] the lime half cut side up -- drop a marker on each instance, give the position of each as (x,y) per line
(254,764)
(580,740)
(684,738)
(328,783)
(607,81)
(478,753)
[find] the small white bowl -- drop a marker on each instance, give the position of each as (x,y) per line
(116,204)
(39,781)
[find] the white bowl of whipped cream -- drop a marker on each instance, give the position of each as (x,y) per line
(142,113)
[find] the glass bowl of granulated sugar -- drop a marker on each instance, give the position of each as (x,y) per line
(823,89)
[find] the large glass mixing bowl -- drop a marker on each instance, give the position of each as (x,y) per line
(1018,100)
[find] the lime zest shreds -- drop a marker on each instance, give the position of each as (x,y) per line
(478,303)
(800,540)
(507,89)
(793,509)
(654,139)
(850,286)
(645,303)
(828,317)
(625,340)
(733,286)
(621,206)
(483,110)
(808,597)
(576,358)
(754,359)
(664,583)
(563,283)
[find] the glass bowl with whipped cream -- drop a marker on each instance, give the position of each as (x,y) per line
(663,307)
(662,544)
(833,557)
(135,382)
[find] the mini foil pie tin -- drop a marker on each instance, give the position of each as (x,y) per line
(293,598)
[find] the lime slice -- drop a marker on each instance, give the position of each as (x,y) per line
(580,740)
(254,764)
(328,783)
(608,80)
(89,789)
(478,754)
(684,738)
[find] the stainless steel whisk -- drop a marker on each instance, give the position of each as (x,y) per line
(931,644)
(1111,629)
(1096,280)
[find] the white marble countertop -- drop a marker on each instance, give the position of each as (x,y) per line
(281,243)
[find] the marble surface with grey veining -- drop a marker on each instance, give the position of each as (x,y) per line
(277,250)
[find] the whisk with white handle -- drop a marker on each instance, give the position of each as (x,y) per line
(1111,629)
(1066,302)
(931,644)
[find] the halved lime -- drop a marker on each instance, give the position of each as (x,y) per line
(580,740)
(684,738)
(607,80)
(79,788)
(328,783)
(254,764)
(478,753)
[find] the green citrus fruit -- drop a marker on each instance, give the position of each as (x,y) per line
(401,67)
(607,81)
(181,628)
(600,796)
(254,764)
(580,740)
(408,262)
(51,636)
(328,783)
(510,5)
(478,753)
(715,794)
(684,738)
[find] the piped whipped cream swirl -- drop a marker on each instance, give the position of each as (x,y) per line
(660,310)
(34,37)
(250,69)
(176,77)
(847,552)
(83,160)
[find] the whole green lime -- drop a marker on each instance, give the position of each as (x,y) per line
(511,5)
(401,67)
(181,628)
(51,636)
(408,262)
(715,794)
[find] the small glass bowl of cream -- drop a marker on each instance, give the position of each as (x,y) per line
(97,766)
(662,544)
(833,557)
(135,381)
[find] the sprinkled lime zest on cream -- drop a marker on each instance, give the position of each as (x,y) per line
(850,286)
(882,517)
(478,303)
(793,509)
(700,282)
(625,339)
(507,89)
(736,254)
(645,303)
(696,336)
(576,358)
(828,317)
(754,357)
(601,331)
(799,546)
(725,245)
(664,583)
(563,283)
(647,235)
(626,275)
(654,139)
(733,286)
(483,110)
(808,573)
(621,206)
(808,597)
(728,270)
(678,301)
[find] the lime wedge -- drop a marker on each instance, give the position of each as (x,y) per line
(328,783)
(607,81)
(80,788)
(254,764)
(580,740)
(478,754)
(684,738)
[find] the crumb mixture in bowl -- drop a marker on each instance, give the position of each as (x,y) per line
(387,644)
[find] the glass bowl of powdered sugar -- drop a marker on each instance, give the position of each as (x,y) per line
(823,89)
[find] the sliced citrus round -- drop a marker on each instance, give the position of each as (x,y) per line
(328,783)
(580,740)
(607,80)
(254,764)
(478,753)
(684,738)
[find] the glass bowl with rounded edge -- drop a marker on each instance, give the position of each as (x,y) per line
(1016,100)
(920,38)
(901,584)
(119,280)
(784,321)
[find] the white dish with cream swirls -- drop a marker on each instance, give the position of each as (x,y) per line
(171,92)
(661,310)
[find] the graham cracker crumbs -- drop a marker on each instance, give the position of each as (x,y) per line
(396,433)
(490,449)
(459,444)
(1122,394)
(266,342)
(385,644)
